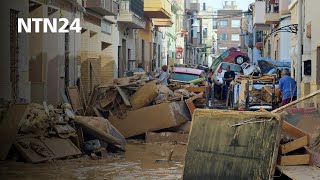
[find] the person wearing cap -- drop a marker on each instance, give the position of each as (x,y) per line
(287,87)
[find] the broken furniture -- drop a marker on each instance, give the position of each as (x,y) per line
(232,145)
(151,118)
(40,149)
(9,127)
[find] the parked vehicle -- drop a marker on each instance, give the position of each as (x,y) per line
(250,69)
(180,74)
(266,65)
(232,55)
(218,74)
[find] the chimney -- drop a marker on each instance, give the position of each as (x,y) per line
(233,4)
(204,7)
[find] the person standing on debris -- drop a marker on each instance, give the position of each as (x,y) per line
(227,78)
(287,87)
(164,76)
(210,76)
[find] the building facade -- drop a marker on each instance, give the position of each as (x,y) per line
(228,28)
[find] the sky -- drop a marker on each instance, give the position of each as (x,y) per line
(217,4)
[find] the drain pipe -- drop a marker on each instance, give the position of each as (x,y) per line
(299,43)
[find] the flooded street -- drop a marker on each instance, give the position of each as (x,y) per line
(137,163)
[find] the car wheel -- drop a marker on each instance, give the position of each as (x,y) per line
(240,60)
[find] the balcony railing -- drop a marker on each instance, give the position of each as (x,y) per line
(135,6)
(272,6)
(103,7)
(272,15)
(131,12)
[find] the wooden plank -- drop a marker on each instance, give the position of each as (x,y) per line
(196,89)
(97,112)
(151,118)
(61,147)
(293,131)
(300,172)
(27,147)
(294,160)
(222,145)
(190,104)
(296,101)
(9,127)
(124,96)
(35,149)
(294,145)
(242,93)
(75,100)
(80,135)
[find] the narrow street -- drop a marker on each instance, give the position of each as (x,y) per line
(160,89)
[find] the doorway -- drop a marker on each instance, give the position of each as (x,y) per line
(122,53)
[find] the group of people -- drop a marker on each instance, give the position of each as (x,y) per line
(287,89)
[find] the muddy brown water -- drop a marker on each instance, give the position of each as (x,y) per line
(138,162)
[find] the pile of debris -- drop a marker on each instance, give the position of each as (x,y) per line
(138,105)
(256,143)
(256,92)
(128,108)
(43,132)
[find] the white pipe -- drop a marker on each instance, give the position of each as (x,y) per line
(299,43)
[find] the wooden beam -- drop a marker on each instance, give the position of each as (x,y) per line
(190,103)
(196,89)
(296,101)
(300,172)
(294,160)
(293,131)
(124,96)
(294,145)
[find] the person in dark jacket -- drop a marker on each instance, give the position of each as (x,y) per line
(227,78)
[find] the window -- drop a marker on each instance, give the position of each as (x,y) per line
(235,37)
(235,23)
(184,77)
(106,27)
(224,37)
(223,49)
(214,24)
(224,23)
(205,32)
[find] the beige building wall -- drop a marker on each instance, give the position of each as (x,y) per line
(311,50)
(96,56)
(146,36)
(312,45)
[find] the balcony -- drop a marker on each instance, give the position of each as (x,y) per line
(157,9)
(162,22)
(193,7)
(131,13)
(259,11)
(103,7)
(272,15)
(284,7)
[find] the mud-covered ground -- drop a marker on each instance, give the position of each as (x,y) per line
(138,162)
